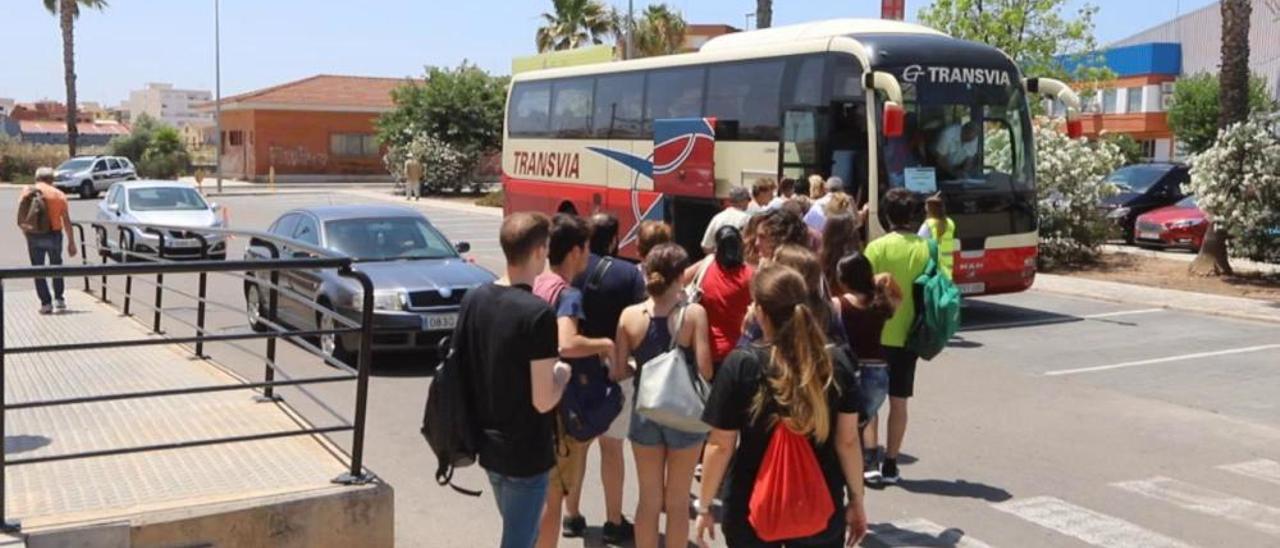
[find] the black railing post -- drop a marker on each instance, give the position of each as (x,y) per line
(125,250)
(155,318)
(84,256)
(356,475)
(101,232)
(204,279)
(273,301)
(5,524)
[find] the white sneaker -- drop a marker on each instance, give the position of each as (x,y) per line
(60,305)
(872,477)
(46,309)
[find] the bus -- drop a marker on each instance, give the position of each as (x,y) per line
(897,104)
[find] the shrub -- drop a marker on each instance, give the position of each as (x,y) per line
(18,161)
(492,199)
(1237,183)
(157,150)
(445,167)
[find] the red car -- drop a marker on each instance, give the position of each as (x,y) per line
(1179,225)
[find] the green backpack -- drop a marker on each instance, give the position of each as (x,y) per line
(937,302)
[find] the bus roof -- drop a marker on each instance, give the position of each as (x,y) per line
(828,28)
(784,40)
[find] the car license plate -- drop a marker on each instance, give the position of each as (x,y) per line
(187,243)
(972,288)
(1148,235)
(439,322)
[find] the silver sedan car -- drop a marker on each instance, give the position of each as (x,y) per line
(164,203)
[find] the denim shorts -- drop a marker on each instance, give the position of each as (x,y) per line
(651,434)
(874,383)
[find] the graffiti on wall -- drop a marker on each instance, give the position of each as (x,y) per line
(296,157)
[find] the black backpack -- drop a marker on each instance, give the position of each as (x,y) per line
(447,423)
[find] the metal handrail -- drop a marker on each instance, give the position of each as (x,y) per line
(158,264)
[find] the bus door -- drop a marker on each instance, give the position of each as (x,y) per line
(684,172)
(802,150)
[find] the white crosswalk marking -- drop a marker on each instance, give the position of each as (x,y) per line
(920,532)
(1085,524)
(1262,469)
(1207,501)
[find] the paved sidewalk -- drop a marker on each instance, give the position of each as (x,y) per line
(1218,305)
(54,494)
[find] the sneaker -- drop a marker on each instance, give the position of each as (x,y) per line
(574,527)
(889,472)
(60,305)
(697,473)
(46,309)
(618,533)
(871,477)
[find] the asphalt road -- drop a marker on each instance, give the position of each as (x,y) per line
(1052,420)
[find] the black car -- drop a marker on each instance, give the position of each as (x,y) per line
(1141,188)
(419,277)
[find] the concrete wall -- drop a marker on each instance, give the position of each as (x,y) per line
(337,517)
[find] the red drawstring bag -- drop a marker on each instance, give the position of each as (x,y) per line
(790,499)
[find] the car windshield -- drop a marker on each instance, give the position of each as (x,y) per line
(165,198)
(1137,178)
(75,164)
(1189,201)
(385,239)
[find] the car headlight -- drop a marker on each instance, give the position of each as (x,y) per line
(1118,213)
(1187,223)
(383,299)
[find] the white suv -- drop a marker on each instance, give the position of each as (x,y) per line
(90,175)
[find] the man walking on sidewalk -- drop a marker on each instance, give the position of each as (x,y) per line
(412,179)
(43,217)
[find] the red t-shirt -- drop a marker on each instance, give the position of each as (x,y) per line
(726,294)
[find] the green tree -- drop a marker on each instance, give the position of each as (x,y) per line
(1031,32)
(660,32)
(1197,107)
(166,156)
(67,12)
(1129,148)
(462,107)
(574,23)
(134,145)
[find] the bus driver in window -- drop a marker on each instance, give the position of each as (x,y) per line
(956,149)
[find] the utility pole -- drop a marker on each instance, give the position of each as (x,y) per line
(217,90)
(747,21)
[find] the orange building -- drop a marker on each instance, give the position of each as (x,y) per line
(315,129)
(697,35)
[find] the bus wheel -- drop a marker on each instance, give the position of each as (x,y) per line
(567,207)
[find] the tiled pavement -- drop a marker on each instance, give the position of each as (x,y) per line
(98,488)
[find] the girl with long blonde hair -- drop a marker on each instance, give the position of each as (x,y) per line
(791,379)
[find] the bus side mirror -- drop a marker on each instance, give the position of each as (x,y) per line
(1075,128)
(894,119)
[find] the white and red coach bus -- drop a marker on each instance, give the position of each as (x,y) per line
(866,100)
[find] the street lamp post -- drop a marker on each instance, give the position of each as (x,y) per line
(749,17)
(217,91)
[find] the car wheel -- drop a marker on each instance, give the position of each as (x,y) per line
(330,343)
(253,307)
(86,190)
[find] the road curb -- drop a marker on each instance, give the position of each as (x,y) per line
(1174,299)
(433,202)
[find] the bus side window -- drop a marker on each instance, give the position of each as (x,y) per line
(531,109)
(672,93)
(807,80)
(571,108)
(747,93)
(619,106)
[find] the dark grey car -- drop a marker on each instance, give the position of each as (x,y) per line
(418,276)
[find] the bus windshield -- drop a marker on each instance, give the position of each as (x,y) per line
(961,137)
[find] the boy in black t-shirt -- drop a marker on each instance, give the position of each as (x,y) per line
(507,339)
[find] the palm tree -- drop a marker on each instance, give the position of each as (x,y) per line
(67,12)
(660,32)
(574,23)
(1233,95)
(764,14)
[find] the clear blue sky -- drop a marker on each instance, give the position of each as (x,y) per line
(266,42)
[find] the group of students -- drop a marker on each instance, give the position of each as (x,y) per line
(798,329)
